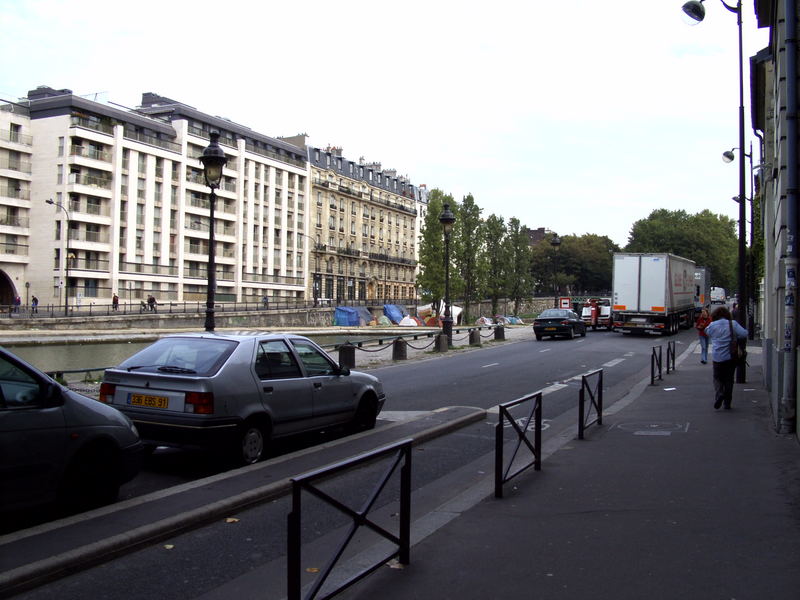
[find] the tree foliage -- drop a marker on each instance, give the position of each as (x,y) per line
(497,260)
(519,283)
(468,253)
(430,279)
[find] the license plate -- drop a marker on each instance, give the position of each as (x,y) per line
(148,401)
(549,328)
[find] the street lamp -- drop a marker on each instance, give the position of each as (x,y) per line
(447,218)
(66,253)
(316,274)
(695,10)
(728,157)
(213,160)
(556,244)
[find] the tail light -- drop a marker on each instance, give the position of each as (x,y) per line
(199,403)
(565,322)
(107,393)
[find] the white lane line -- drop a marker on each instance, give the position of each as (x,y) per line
(553,388)
(490,365)
(613,363)
(545,350)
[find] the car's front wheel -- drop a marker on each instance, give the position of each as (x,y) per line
(253,442)
(365,416)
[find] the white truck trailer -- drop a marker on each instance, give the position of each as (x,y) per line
(702,289)
(652,292)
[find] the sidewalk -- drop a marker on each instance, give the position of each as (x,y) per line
(668,499)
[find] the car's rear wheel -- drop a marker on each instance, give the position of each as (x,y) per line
(253,442)
(538,337)
(571,333)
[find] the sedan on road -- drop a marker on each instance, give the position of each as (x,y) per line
(558,321)
(238,392)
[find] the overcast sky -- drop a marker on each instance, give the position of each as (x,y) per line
(571,115)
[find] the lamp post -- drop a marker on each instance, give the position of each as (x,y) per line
(556,244)
(316,274)
(447,218)
(66,253)
(695,10)
(728,157)
(213,160)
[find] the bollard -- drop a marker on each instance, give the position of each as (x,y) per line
(347,355)
(441,342)
(474,337)
(499,332)
(400,349)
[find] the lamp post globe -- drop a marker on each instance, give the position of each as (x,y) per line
(447,219)
(213,159)
(694,10)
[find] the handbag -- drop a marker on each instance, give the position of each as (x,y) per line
(738,351)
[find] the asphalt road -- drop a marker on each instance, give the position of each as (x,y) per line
(194,563)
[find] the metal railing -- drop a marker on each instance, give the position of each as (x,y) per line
(595,396)
(502,473)
(671,366)
(655,364)
(360,518)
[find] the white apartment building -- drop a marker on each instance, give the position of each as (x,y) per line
(130,207)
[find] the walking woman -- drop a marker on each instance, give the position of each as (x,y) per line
(702,322)
(721,332)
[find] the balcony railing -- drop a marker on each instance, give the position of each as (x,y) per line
(15,192)
(272,154)
(9,248)
(14,221)
(96,237)
(15,164)
(16,138)
(91,180)
(101,126)
(89,264)
(152,140)
(148,269)
(92,153)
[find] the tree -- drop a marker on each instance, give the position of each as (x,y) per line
(467,251)
(497,260)
(588,259)
(706,238)
(519,284)
(430,279)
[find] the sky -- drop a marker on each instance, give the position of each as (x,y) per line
(571,115)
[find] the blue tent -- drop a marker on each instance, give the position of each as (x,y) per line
(394,312)
(346,316)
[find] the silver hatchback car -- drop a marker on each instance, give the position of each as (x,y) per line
(238,391)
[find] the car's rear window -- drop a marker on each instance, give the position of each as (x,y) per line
(188,356)
(554,313)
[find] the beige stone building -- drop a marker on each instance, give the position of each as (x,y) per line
(364,224)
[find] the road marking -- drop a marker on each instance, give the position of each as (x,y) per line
(613,363)
(490,365)
(545,350)
(553,388)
